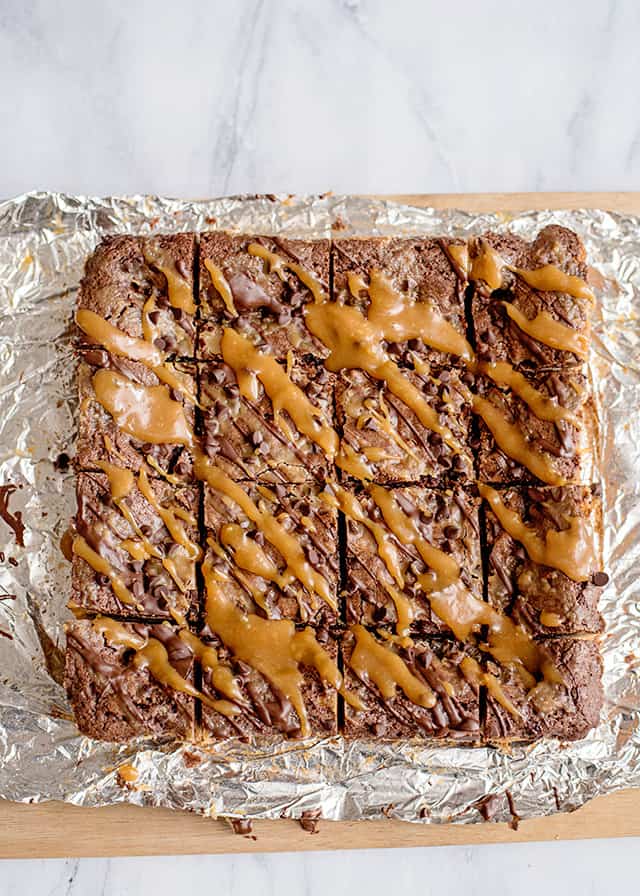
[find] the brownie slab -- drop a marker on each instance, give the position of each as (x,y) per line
(545,600)
(382,276)
(391,440)
(130,536)
(117,679)
(567,708)
(254,437)
(262,298)
(504,304)
(262,708)
(144,283)
(408,692)
(147,403)
(557,422)
(445,520)
(277,554)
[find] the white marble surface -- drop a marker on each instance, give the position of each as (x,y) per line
(196,98)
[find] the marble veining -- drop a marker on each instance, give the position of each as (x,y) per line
(202,99)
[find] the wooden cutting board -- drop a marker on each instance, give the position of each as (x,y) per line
(55,829)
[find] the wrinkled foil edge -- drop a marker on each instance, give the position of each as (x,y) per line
(44,241)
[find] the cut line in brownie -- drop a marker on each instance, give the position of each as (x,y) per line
(567,708)
(144,283)
(265,302)
(254,437)
(426,690)
(277,555)
(389,437)
(151,567)
(530,324)
(154,410)
(387,568)
(261,708)
(119,690)
(410,286)
(547,600)
(553,411)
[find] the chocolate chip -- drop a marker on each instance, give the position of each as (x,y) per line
(600,579)
(61,463)
(160,343)
(154,316)
(256,438)
(451,531)
(182,269)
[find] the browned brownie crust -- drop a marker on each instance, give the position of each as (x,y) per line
(566,709)
(533,594)
(498,338)
(121,276)
(436,663)
(115,700)
(100,439)
(305,516)
(269,306)
(104,527)
(419,268)
(568,445)
(447,520)
(265,711)
(245,438)
(396,446)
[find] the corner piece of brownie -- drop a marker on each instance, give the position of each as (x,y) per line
(127,680)
(567,707)
(137,546)
(531,304)
(545,557)
(421,691)
(143,286)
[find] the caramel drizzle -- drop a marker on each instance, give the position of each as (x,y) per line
(459,256)
(287,545)
(510,439)
(102,566)
(354,343)
(179,289)
(271,646)
(543,407)
(351,507)
(372,661)
(147,413)
(399,318)
(279,265)
(151,654)
(488,266)
(118,343)
(550,332)
(250,364)
(570,550)
(221,285)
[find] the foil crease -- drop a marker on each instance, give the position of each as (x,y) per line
(44,241)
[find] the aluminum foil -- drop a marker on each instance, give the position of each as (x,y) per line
(44,241)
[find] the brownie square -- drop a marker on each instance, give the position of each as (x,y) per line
(290,574)
(567,709)
(129,280)
(262,707)
(388,437)
(426,273)
(420,691)
(103,438)
(119,690)
(543,599)
(261,300)
(446,520)
(249,439)
(561,449)
(129,534)
(501,329)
